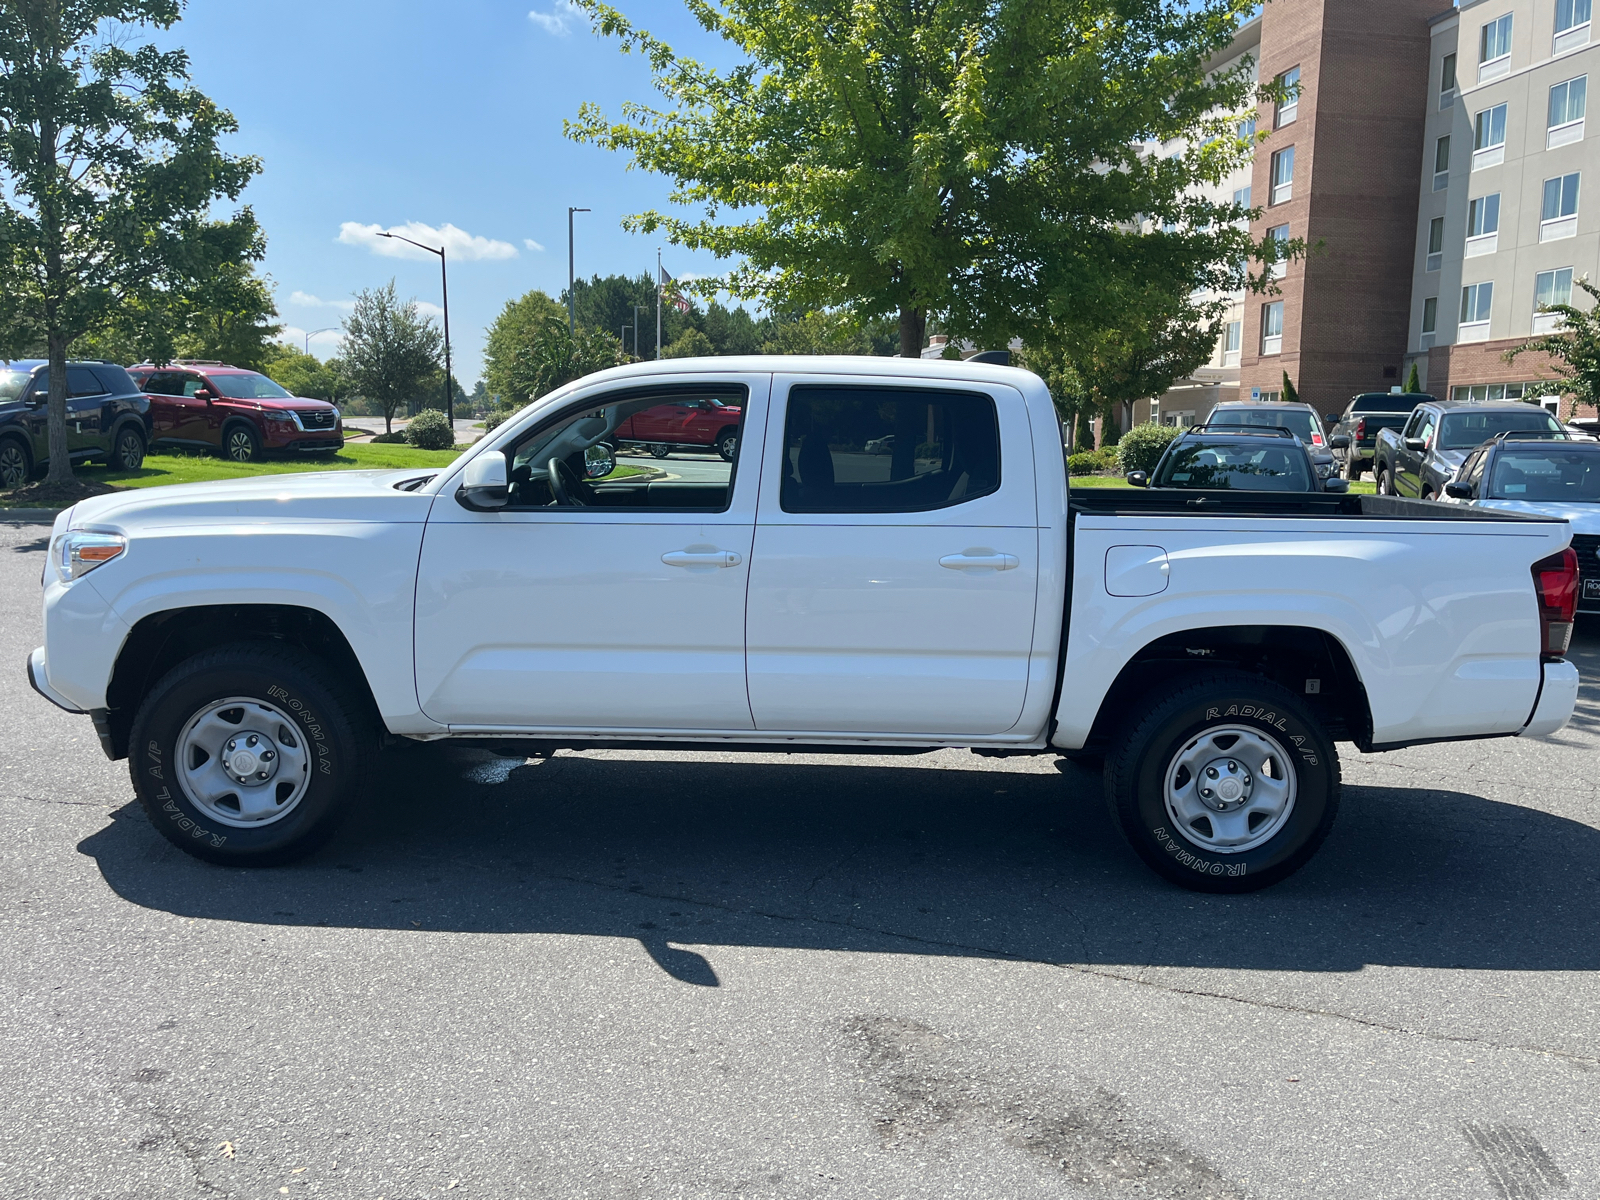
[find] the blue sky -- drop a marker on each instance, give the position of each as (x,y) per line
(375,115)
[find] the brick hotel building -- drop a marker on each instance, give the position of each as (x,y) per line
(1436,161)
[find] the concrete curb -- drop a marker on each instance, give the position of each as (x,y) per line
(29,516)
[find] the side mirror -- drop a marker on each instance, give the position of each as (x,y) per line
(1331,418)
(1335,483)
(205,394)
(1339,441)
(483,485)
(599,461)
(1138,479)
(1458,491)
(1416,444)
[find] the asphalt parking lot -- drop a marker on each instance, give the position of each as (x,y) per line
(630,975)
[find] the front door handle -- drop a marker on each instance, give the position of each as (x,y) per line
(701,558)
(986,560)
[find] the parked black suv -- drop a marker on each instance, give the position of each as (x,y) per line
(108,418)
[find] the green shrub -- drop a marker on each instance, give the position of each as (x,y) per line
(497,418)
(399,435)
(1142,446)
(1084,464)
(430,430)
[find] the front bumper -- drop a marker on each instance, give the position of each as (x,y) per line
(1558,696)
(39,680)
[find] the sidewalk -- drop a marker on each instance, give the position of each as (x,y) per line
(466,428)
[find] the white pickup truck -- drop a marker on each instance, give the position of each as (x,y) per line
(249,645)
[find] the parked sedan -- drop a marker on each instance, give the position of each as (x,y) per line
(1548,476)
(107,418)
(1229,458)
(1419,459)
(1299,419)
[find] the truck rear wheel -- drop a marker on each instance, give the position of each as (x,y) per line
(659,449)
(1228,785)
(728,445)
(248,755)
(1352,468)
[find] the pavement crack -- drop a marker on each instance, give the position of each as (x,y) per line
(51,800)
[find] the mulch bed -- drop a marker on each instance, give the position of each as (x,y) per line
(51,495)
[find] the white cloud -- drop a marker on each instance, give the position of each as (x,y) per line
(533,245)
(429,310)
(307,300)
(458,243)
(560,19)
(293,335)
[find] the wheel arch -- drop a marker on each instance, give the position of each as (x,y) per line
(1297,657)
(160,641)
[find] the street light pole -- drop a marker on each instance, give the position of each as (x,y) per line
(314,333)
(636,310)
(572,297)
(444,277)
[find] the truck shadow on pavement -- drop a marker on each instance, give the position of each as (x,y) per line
(686,855)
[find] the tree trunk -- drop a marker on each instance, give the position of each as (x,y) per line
(913,328)
(60,456)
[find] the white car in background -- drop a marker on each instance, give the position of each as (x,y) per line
(1543,476)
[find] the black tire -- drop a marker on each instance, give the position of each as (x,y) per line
(1385,485)
(338,744)
(1136,775)
(1352,468)
(659,450)
(16,464)
(240,443)
(127,450)
(1429,494)
(728,444)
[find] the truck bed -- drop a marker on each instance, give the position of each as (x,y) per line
(1176,502)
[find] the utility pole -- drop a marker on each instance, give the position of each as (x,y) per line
(572,298)
(636,309)
(314,333)
(658,301)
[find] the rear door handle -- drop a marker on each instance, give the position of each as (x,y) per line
(980,562)
(702,558)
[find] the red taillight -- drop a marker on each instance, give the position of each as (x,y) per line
(1555,583)
(1361,430)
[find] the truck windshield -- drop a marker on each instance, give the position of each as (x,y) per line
(1550,472)
(249,386)
(12,384)
(1400,402)
(1253,466)
(1464,430)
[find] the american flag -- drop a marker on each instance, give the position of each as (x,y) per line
(670,293)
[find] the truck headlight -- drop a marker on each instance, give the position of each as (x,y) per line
(80,552)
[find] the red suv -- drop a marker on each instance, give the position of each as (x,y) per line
(242,415)
(693,423)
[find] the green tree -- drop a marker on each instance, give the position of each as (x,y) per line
(1414,379)
(732,330)
(552,357)
(390,351)
(691,343)
(306,374)
(1290,395)
(1574,349)
(984,161)
(816,333)
(517,325)
(110,166)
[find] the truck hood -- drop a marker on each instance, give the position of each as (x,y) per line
(313,496)
(1584,518)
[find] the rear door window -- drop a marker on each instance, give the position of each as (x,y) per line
(81,381)
(856,449)
(115,380)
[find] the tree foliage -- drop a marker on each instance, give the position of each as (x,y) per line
(390,350)
(1413,379)
(550,356)
(1574,351)
(1291,395)
(109,168)
(307,375)
(1002,164)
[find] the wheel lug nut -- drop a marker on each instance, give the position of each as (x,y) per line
(1211,772)
(1205,791)
(1232,766)
(251,741)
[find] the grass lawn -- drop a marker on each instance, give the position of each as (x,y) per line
(160,469)
(1361,487)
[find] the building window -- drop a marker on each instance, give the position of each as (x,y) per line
(1289,107)
(1489,137)
(1447,82)
(1494,49)
(1483,225)
(1441,164)
(1241,197)
(1480,392)
(1430,316)
(1476,301)
(1247,129)
(1435,243)
(1231,341)
(1558,216)
(1282,175)
(1280,265)
(1272,328)
(1572,24)
(1550,288)
(1567,101)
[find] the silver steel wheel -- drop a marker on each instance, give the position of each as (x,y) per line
(1230,789)
(241,446)
(243,762)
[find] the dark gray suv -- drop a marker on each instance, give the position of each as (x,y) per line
(108,418)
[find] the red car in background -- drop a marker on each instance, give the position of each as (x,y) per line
(240,414)
(695,422)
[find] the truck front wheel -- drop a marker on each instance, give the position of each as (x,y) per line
(1228,785)
(728,444)
(249,755)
